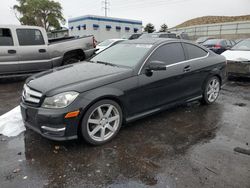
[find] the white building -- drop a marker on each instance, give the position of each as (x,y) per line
(103,27)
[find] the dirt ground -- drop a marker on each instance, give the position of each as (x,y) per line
(187,146)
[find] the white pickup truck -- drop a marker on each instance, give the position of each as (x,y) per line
(26,49)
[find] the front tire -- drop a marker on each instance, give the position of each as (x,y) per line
(102,122)
(211,90)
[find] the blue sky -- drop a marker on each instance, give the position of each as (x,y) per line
(171,12)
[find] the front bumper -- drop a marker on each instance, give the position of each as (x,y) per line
(50,123)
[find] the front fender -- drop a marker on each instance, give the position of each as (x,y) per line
(90,97)
(99,93)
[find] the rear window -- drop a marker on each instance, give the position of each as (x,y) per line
(29,37)
(194,51)
(5,37)
(212,42)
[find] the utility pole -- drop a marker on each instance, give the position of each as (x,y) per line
(106,7)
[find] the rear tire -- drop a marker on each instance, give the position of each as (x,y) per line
(70,60)
(101,122)
(211,90)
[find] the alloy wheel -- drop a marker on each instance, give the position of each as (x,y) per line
(103,122)
(213,90)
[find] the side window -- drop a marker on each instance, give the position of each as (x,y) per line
(29,37)
(194,51)
(6,37)
(223,43)
(229,43)
(169,54)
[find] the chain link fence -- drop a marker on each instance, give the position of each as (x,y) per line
(230,30)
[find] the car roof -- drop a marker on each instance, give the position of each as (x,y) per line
(216,39)
(159,33)
(152,41)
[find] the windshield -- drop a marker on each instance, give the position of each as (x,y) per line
(106,43)
(127,55)
(243,45)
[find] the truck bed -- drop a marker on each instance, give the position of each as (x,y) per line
(66,39)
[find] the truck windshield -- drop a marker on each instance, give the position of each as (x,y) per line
(127,55)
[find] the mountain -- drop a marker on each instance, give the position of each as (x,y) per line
(213,19)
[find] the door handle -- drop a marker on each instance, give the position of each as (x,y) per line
(12,51)
(42,50)
(187,68)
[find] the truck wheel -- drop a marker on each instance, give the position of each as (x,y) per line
(211,90)
(102,122)
(70,60)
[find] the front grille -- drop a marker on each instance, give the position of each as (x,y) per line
(31,96)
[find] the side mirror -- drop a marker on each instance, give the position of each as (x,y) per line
(156,66)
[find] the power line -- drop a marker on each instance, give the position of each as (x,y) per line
(106,7)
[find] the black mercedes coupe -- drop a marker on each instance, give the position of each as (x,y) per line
(126,82)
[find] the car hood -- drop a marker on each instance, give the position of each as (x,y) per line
(237,55)
(79,77)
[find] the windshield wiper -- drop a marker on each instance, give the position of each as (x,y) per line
(105,63)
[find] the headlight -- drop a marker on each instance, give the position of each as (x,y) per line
(61,100)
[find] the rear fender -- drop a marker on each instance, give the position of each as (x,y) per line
(217,71)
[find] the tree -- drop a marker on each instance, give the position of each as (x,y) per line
(164,28)
(43,13)
(150,28)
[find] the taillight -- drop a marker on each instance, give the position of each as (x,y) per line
(217,46)
(94,42)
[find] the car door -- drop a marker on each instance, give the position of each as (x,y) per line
(33,54)
(194,78)
(162,87)
(8,52)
